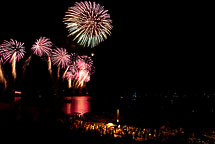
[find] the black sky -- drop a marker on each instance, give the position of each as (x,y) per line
(153,45)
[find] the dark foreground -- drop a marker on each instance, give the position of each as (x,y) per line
(29,123)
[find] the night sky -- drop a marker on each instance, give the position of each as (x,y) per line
(153,46)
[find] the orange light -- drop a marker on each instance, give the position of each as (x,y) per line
(117,116)
(92,53)
(110,125)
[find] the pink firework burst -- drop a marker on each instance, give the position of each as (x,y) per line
(82,75)
(81,64)
(85,68)
(81,68)
(72,73)
(12,50)
(87,79)
(60,57)
(85,63)
(1,58)
(42,46)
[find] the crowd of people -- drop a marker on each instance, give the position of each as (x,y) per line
(118,132)
(122,132)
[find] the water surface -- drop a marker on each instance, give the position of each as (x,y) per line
(77,104)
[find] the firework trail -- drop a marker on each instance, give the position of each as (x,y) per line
(42,47)
(50,66)
(2,78)
(14,65)
(64,74)
(70,75)
(12,51)
(61,58)
(26,64)
(88,22)
(83,74)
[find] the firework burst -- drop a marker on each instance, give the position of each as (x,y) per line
(60,57)
(42,46)
(12,51)
(86,68)
(73,59)
(88,22)
(85,63)
(71,74)
(80,71)
(82,77)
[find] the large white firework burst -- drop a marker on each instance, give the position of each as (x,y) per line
(88,22)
